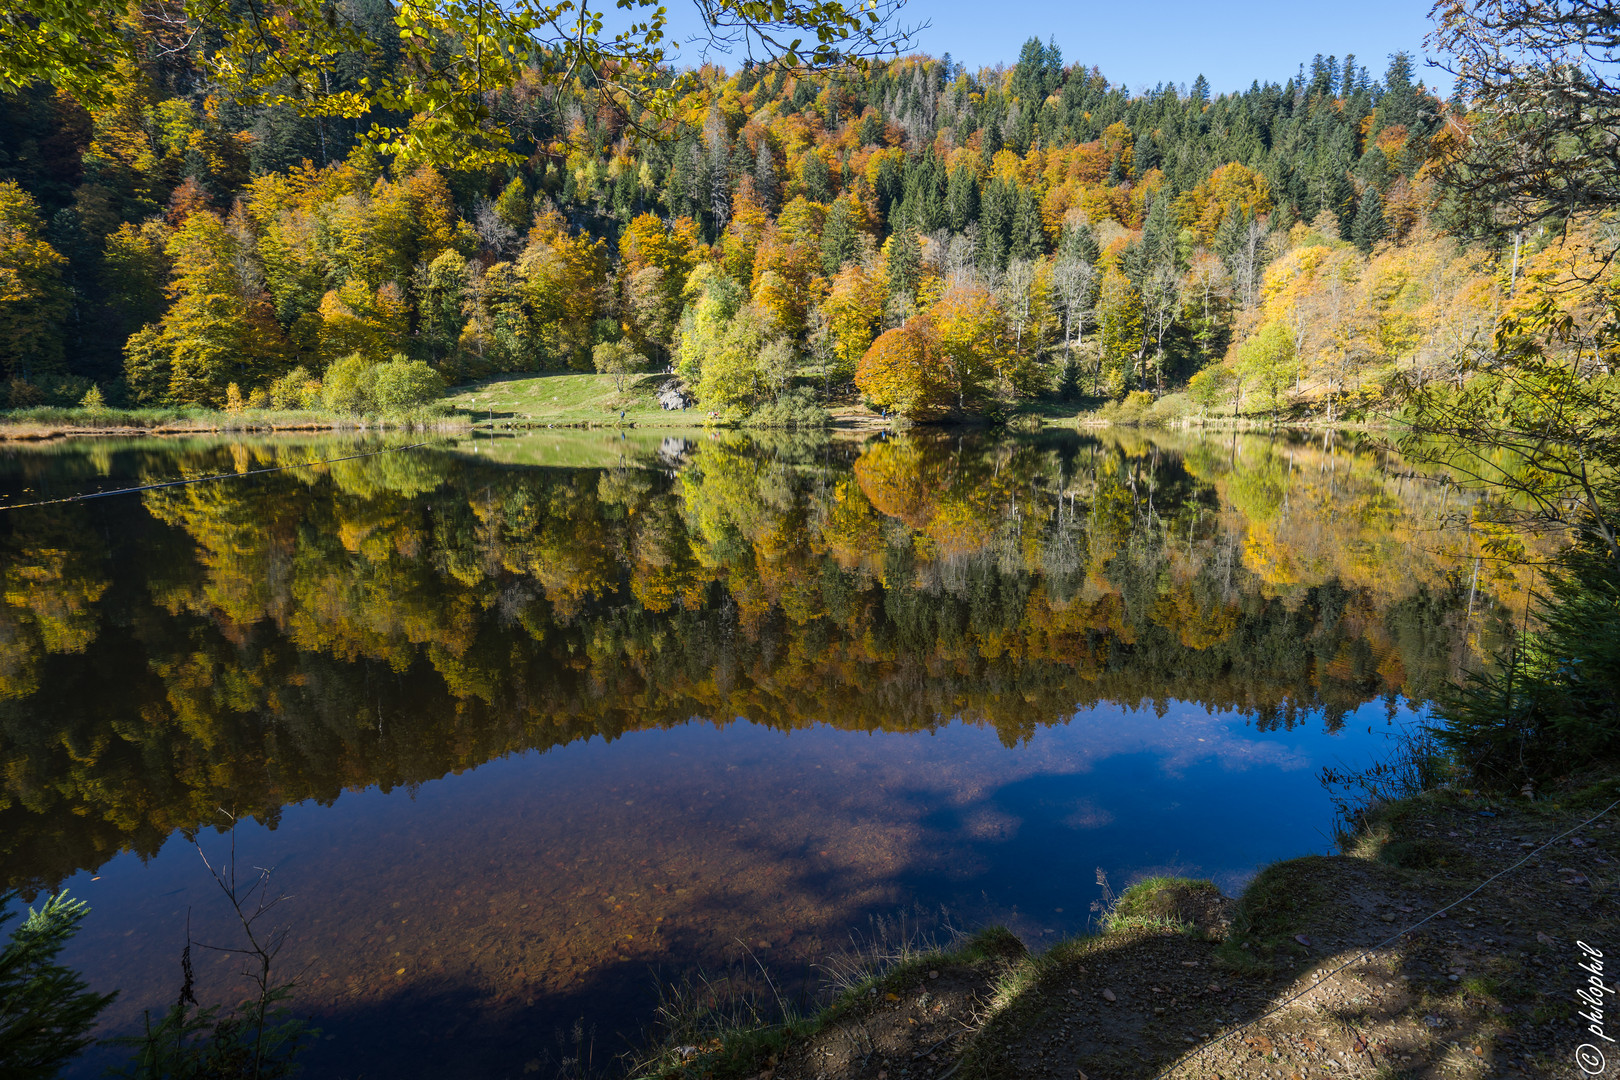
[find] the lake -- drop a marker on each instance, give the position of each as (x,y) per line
(526,726)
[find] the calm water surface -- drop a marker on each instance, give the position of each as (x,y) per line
(524,725)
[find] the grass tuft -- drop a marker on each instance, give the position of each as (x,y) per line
(1159,903)
(890,943)
(1281,902)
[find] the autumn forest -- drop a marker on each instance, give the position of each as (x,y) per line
(937,241)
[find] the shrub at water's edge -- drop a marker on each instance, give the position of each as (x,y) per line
(1550,704)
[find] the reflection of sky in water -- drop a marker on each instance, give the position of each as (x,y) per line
(451,930)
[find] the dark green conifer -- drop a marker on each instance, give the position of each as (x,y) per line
(1369,227)
(46,1009)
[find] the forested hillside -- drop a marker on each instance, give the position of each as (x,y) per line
(942,241)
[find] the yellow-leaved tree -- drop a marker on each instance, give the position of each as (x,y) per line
(219,329)
(853,307)
(33,301)
(973,341)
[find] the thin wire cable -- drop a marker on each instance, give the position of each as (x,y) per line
(1280,1006)
(206,479)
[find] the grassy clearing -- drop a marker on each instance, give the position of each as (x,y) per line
(1282,898)
(577,400)
(571,399)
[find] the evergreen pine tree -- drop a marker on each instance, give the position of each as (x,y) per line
(1030,71)
(995,225)
(49,1009)
(1080,243)
(1159,231)
(961,199)
(1232,232)
(1398,105)
(1068,387)
(902,260)
(816,178)
(888,186)
(989,144)
(1369,226)
(1373,168)
(1028,240)
(839,241)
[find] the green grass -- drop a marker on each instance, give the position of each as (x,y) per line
(1157,903)
(1283,900)
(51,416)
(733,1043)
(46,421)
(568,399)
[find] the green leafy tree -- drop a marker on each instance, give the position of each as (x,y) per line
(220,328)
(1268,361)
(1208,387)
(134,271)
(297,389)
(715,300)
(402,385)
(1121,321)
(618,359)
(350,386)
(434,103)
(442,290)
(514,208)
(734,371)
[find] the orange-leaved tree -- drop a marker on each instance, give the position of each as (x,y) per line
(905,373)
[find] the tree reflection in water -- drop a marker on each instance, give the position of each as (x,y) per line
(386,621)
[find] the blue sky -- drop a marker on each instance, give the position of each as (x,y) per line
(1141,44)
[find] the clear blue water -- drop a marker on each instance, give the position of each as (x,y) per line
(490,888)
(520,743)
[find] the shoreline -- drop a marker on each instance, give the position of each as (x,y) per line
(1296,978)
(31,431)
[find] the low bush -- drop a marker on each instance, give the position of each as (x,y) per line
(797,408)
(356,386)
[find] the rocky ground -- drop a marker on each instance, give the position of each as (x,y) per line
(1193,985)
